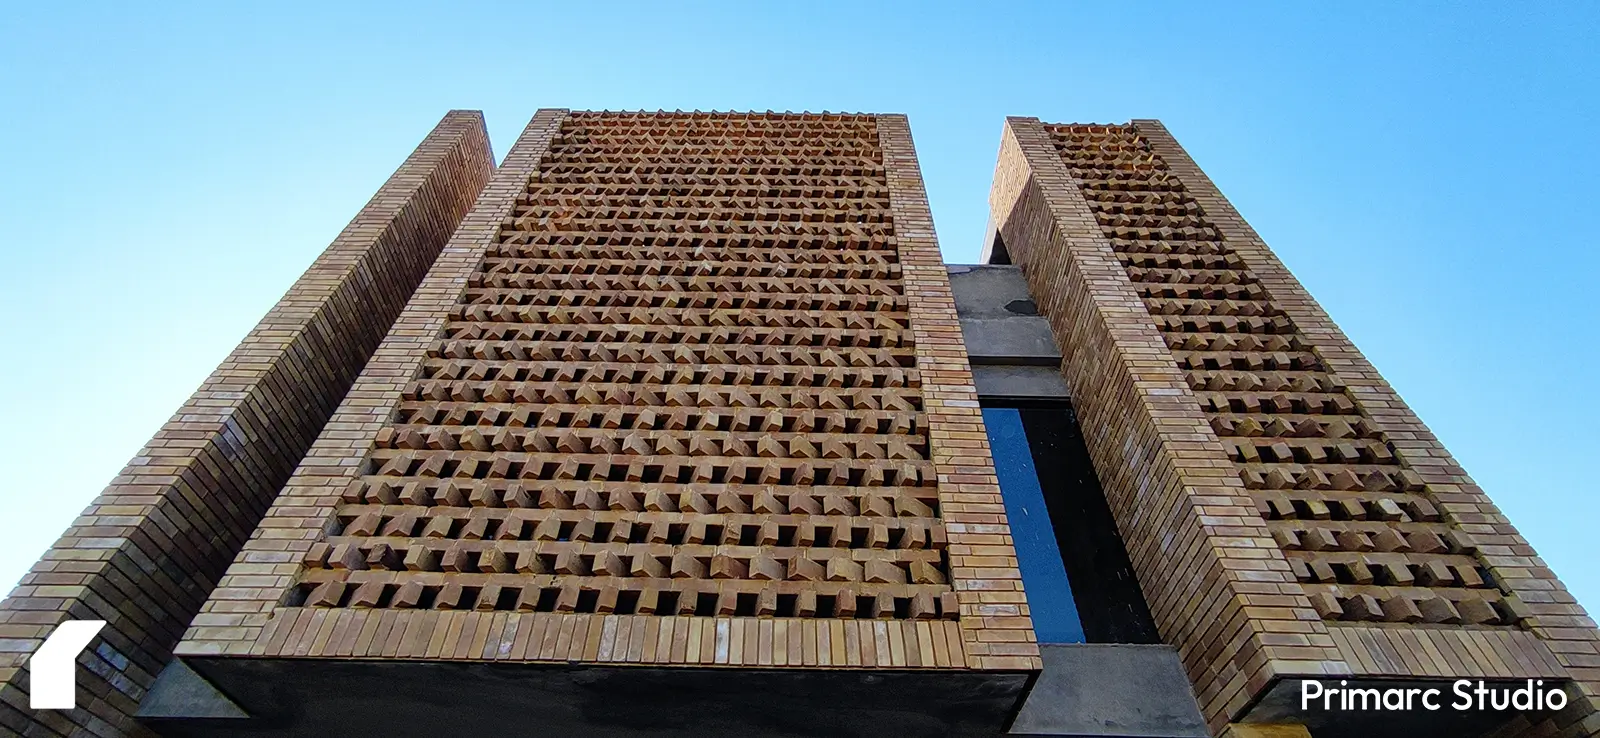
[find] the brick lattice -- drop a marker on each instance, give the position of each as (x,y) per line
(1330,538)
(1525,591)
(1217,587)
(678,392)
(147,552)
(1357,524)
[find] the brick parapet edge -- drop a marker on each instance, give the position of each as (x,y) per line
(995,623)
(235,619)
(1556,617)
(1218,587)
(147,552)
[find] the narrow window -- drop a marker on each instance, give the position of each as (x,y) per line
(1055,615)
(1075,568)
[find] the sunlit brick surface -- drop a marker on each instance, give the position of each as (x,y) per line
(1358,525)
(680,382)
(683,389)
(1286,514)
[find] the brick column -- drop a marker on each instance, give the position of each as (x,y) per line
(995,625)
(1217,586)
(1554,615)
(236,619)
(146,553)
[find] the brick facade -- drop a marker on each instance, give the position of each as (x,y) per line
(1523,591)
(684,389)
(146,554)
(995,623)
(690,389)
(1286,514)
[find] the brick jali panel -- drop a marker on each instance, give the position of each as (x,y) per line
(1257,418)
(1217,587)
(151,547)
(1529,593)
(678,394)
(1358,526)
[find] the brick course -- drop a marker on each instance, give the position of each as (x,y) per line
(147,552)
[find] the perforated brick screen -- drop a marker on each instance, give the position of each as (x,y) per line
(1358,525)
(679,382)
(684,388)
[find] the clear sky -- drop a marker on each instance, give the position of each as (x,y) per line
(1428,171)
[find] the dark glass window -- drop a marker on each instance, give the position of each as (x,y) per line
(1055,615)
(1074,566)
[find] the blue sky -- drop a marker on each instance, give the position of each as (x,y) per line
(1427,171)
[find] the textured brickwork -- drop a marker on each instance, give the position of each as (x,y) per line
(148,551)
(1359,526)
(995,622)
(678,392)
(1313,524)
(1217,586)
(1525,592)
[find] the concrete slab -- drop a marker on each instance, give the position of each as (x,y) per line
(999,382)
(1104,689)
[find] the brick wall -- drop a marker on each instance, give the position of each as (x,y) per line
(147,552)
(1314,526)
(995,622)
(1218,588)
(1521,590)
(686,389)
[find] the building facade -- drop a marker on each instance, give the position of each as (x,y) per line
(678,423)
(1288,517)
